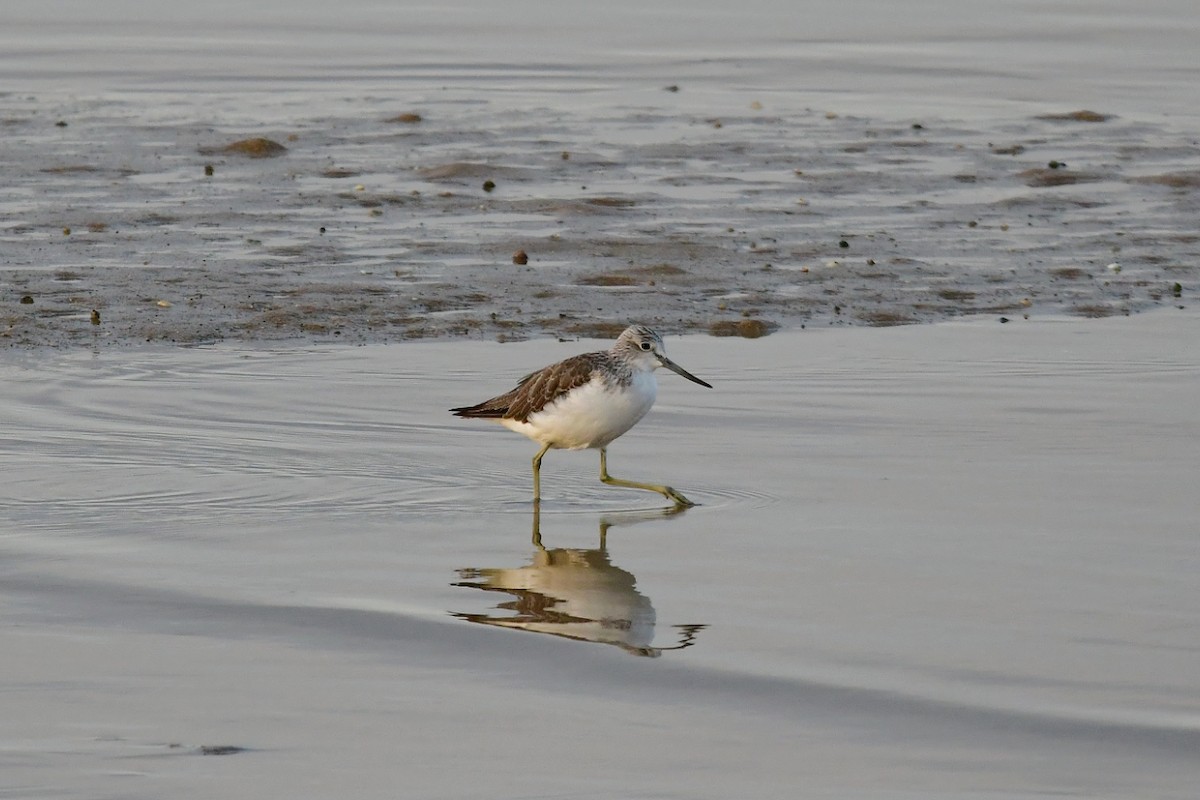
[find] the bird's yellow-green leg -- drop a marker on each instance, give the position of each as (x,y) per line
(537,526)
(537,473)
(666,491)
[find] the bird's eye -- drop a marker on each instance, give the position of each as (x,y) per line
(646,345)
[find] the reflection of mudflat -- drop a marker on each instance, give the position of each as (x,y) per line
(577,594)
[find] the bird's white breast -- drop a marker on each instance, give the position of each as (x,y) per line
(591,415)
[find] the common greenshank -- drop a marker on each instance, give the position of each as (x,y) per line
(587,401)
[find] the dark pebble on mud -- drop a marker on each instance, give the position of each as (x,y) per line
(520,257)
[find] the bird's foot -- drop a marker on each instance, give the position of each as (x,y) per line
(675,497)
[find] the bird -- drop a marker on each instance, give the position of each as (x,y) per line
(587,401)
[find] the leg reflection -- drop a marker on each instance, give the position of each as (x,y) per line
(576,593)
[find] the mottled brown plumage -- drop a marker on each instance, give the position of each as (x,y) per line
(538,389)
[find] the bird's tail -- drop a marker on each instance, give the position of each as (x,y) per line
(484,410)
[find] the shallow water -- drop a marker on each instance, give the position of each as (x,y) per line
(942,561)
(843,163)
(950,561)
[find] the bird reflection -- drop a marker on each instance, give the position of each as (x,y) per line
(576,594)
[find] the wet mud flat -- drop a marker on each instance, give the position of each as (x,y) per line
(137,218)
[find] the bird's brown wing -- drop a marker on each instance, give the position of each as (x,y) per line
(535,390)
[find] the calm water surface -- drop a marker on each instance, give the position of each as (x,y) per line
(949,560)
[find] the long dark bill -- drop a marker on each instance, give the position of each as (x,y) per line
(671,365)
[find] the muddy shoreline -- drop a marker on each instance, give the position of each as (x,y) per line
(365,231)
(696,204)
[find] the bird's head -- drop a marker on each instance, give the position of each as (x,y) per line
(644,346)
